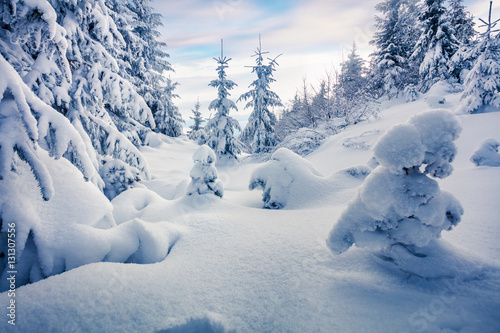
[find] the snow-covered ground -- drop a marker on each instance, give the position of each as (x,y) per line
(239,267)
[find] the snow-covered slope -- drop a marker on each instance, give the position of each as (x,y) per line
(240,267)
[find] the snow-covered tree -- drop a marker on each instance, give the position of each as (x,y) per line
(168,118)
(204,174)
(463,29)
(399,209)
(259,132)
(436,45)
(482,83)
(197,132)
(352,100)
(394,40)
(461,21)
(220,128)
(143,59)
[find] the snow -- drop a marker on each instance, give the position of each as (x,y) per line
(236,266)
(487,153)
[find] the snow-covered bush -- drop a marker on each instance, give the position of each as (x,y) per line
(303,142)
(284,176)
(118,177)
(204,174)
(399,209)
(487,153)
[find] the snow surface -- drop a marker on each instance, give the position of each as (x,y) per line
(240,267)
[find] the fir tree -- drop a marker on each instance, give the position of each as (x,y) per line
(463,29)
(197,132)
(197,118)
(220,128)
(168,118)
(482,84)
(259,132)
(394,40)
(436,45)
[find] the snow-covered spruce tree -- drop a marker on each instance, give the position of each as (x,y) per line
(168,118)
(204,174)
(74,69)
(394,40)
(436,45)
(461,21)
(399,210)
(104,106)
(482,83)
(220,128)
(259,132)
(197,132)
(144,61)
(352,98)
(463,29)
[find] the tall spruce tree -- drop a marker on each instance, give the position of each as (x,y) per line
(463,27)
(220,129)
(436,45)
(482,84)
(197,132)
(259,132)
(168,118)
(394,40)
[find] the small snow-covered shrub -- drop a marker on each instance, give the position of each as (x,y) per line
(118,177)
(198,136)
(204,174)
(487,154)
(399,208)
(303,142)
(284,176)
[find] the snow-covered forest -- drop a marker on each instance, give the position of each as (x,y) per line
(365,200)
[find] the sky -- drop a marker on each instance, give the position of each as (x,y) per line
(311,37)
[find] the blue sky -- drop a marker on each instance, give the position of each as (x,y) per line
(312,35)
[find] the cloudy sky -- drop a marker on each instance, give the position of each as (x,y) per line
(313,37)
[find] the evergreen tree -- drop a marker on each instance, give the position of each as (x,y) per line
(394,41)
(352,98)
(197,132)
(482,84)
(197,118)
(436,45)
(462,22)
(463,26)
(220,128)
(168,118)
(259,132)
(204,174)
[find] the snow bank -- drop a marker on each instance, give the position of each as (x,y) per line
(72,229)
(487,154)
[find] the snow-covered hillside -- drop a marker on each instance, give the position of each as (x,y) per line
(237,266)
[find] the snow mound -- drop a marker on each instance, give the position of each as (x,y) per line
(207,324)
(129,204)
(487,154)
(286,178)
